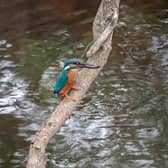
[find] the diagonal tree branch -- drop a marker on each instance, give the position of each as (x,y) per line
(104,23)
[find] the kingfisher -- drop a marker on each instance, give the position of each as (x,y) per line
(67,80)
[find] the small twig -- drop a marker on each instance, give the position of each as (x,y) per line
(86,49)
(105,34)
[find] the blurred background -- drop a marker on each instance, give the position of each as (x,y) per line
(123,120)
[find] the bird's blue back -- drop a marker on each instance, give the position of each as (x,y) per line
(61,81)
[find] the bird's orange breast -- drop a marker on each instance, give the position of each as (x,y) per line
(72,79)
(72,76)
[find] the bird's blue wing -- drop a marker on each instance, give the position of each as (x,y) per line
(61,81)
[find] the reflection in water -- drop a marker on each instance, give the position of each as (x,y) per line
(40,16)
(122,121)
(11,143)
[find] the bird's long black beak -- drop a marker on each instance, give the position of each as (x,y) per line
(91,66)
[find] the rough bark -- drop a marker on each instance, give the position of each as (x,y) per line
(104,23)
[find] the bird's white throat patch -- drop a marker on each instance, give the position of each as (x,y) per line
(67,67)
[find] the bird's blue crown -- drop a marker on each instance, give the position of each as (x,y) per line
(71,61)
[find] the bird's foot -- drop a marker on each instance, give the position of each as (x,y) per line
(75,87)
(69,97)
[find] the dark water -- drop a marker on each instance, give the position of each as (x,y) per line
(123,120)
